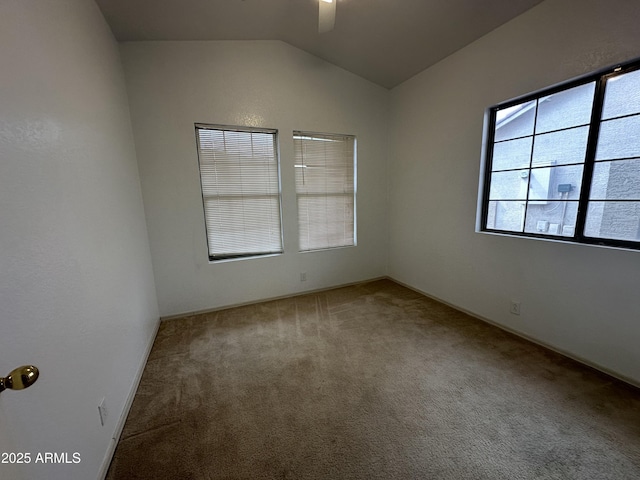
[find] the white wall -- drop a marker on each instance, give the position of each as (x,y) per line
(173,85)
(77,297)
(579,299)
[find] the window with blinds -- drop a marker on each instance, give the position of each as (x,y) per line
(325,176)
(240,182)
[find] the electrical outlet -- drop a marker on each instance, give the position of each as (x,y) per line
(303,276)
(515,308)
(102,411)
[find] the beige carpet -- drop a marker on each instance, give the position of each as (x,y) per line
(369,382)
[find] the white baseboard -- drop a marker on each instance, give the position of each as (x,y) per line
(270,299)
(127,406)
(134,387)
(529,338)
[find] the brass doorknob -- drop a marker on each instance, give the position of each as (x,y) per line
(20,378)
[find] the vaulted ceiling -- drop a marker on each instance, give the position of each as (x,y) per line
(384,41)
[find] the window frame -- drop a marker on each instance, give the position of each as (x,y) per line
(600,78)
(276,153)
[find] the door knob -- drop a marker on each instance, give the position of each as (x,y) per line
(20,378)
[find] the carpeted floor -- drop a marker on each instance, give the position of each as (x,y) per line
(372,381)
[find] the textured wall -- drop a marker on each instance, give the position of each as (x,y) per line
(267,84)
(77,296)
(579,299)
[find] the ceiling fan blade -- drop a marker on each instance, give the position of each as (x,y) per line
(326,15)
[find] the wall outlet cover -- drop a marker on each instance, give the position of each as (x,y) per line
(515,308)
(102,411)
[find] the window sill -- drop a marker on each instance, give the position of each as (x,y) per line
(237,259)
(565,241)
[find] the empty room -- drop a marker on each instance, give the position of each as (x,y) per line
(315,239)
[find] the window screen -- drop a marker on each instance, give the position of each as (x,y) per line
(240,182)
(325,176)
(614,199)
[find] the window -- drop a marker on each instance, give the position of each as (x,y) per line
(564,163)
(240,181)
(325,176)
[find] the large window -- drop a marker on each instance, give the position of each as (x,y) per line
(240,181)
(564,163)
(325,176)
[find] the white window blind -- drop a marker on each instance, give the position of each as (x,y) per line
(240,190)
(325,178)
